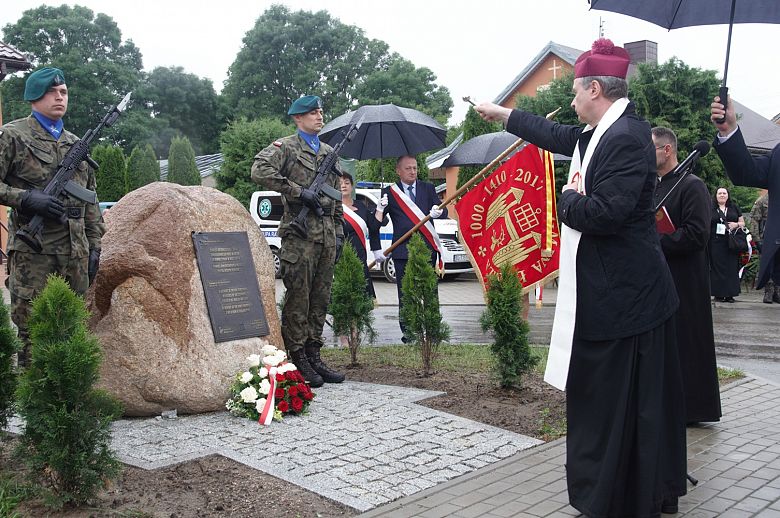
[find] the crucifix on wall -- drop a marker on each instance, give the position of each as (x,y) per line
(555,67)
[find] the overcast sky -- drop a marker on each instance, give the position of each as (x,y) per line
(474,48)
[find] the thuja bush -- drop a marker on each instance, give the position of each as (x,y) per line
(66,434)
(351,306)
(503,315)
(420,311)
(9,345)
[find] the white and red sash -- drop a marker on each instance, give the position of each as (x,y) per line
(415,215)
(359,225)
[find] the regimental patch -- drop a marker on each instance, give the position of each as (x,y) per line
(278,143)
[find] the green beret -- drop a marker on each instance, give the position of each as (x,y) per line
(305,104)
(39,82)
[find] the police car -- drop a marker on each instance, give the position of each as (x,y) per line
(266,209)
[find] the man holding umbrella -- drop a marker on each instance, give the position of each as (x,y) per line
(289,166)
(762,172)
(625,447)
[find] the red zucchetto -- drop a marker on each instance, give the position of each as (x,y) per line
(603,59)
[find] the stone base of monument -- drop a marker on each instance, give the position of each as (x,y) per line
(148,303)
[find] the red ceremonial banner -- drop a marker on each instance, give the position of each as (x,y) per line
(510,216)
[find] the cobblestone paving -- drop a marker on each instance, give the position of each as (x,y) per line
(371,443)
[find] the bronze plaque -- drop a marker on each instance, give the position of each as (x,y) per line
(230,283)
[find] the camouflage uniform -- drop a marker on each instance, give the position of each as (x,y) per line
(758,217)
(288,166)
(28,160)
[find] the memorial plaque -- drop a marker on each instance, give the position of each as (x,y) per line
(230,283)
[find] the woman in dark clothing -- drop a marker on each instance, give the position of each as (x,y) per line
(358,222)
(724,263)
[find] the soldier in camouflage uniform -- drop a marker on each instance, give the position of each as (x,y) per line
(758,217)
(289,166)
(30,150)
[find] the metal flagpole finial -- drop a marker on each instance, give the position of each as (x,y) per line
(468,100)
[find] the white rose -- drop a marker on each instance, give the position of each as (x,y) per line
(281,355)
(260,404)
(285,367)
(263,372)
(265,386)
(246,377)
(254,360)
(272,361)
(269,349)
(249,395)
(273,370)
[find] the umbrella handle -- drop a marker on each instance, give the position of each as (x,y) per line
(723,93)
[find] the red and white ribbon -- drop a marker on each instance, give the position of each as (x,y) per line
(267,415)
(359,225)
(415,215)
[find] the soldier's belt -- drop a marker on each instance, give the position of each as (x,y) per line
(295,208)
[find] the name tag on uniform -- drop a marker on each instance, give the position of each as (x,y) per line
(720,229)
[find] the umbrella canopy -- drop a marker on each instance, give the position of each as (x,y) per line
(387,131)
(482,149)
(674,14)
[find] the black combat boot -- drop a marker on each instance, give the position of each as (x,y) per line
(299,359)
(776,295)
(313,354)
(769,292)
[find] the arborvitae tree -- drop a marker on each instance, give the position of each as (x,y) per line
(9,345)
(503,315)
(110,176)
(420,311)
(181,163)
(240,142)
(142,168)
(474,126)
(66,436)
(350,305)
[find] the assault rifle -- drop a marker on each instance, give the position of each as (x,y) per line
(327,167)
(63,178)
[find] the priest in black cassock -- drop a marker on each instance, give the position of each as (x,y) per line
(689,207)
(613,345)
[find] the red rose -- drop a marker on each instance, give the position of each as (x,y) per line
(290,375)
(297,404)
(292,391)
(279,377)
(299,377)
(308,396)
(283,406)
(303,387)
(279,393)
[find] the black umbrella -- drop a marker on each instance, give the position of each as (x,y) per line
(387,131)
(674,14)
(482,149)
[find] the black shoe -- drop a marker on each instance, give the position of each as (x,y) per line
(313,355)
(768,295)
(776,295)
(729,299)
(299,359)
(669,505)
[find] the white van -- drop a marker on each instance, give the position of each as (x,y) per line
(266,209)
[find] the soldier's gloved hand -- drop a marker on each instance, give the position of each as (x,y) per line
(311,200)
(36,201)
(339,247)
(94,264)
(382,203)
(436,212)
(379,257)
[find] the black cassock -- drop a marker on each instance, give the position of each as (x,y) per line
(689,206)
(351,236)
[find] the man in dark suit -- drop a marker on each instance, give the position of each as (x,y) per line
(421,194)
(743,169)
(625,445)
